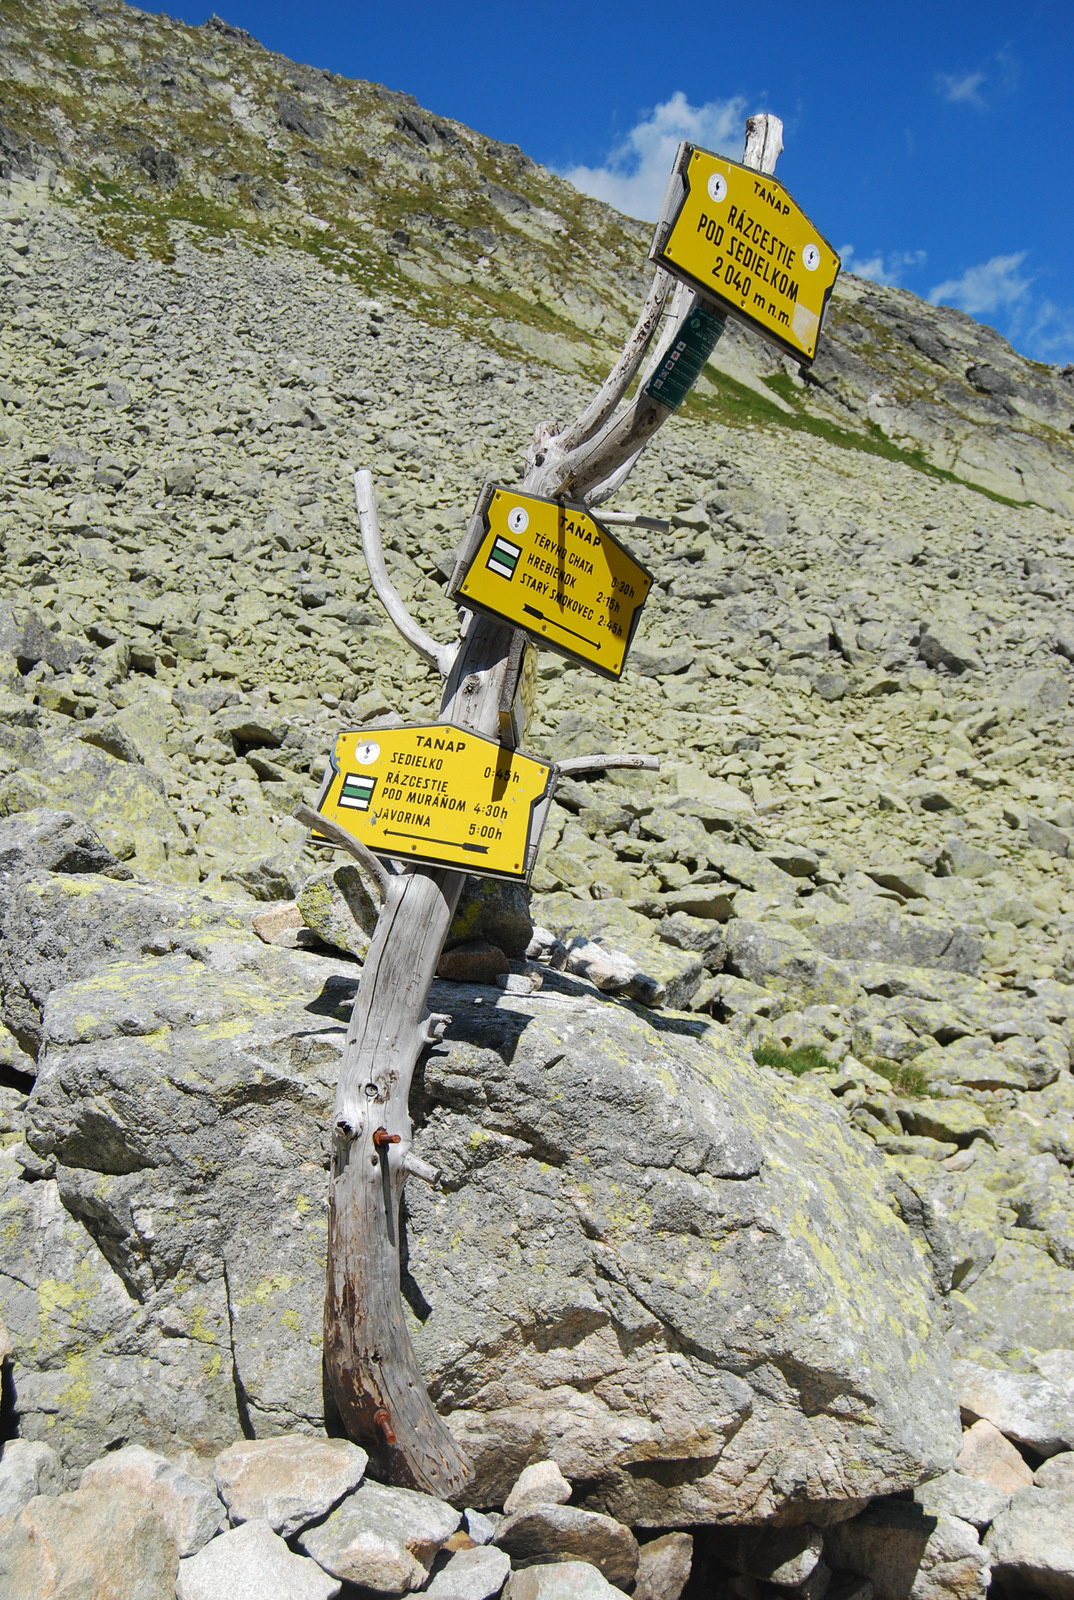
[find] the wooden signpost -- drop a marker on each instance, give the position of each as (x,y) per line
(555,571)
(439,795)
(417,840)
(737,237)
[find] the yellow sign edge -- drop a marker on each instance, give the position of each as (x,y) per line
(539,806)
(478,531)
(666,226)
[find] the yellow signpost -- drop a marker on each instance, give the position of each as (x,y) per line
(556,572)
(739,238)
(439,795)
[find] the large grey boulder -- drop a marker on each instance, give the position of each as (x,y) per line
(1032,1544)
(647,1251)
(104,1543)
(908,1555)
(173,1224)
(655,1178)
(252,1560)
(27,1468)
(188,1508)
(287,1482)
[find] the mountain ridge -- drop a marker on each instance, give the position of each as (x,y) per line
(154,127)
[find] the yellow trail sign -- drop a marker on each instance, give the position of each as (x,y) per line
(739,238)
(556,572)
(439,795)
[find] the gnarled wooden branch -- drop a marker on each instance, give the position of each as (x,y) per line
(346,841)
(565,769)
(436,655)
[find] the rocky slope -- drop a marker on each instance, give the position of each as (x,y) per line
(714,1257)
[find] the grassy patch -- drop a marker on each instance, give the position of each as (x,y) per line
(738,405)
(905,1078)
(803,1058)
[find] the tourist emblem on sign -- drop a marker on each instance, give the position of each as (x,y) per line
(556,572)
(738,237)
(439,795)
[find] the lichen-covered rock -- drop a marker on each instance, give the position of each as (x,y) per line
(338,905)
(696,1190)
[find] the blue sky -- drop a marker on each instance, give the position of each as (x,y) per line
(933,143)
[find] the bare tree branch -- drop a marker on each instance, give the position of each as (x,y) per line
(617,382)
(436,655)
(346,841)
(573,764)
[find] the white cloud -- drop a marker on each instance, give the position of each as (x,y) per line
(962,89)
(1000,72)
(880,268)
(635,174)
(1049,335)
(993,285)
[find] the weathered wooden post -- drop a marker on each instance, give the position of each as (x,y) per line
(369,1360)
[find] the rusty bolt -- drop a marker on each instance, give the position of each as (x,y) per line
(383,1420)
(382,1137)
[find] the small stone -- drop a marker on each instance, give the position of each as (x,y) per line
(1032,1544)
(252,1561)
(27,1469)
(664,1567)
(481,1525)
(1021,1405)
(189,1509)
(989,1457)
(560,1580)
(540,1483)
(269,925)
(554,1532)
(944,645)
(1057,1473)
(784,1556)
(476,1574)
(955,1494)
(287,1482)
(382,1538)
